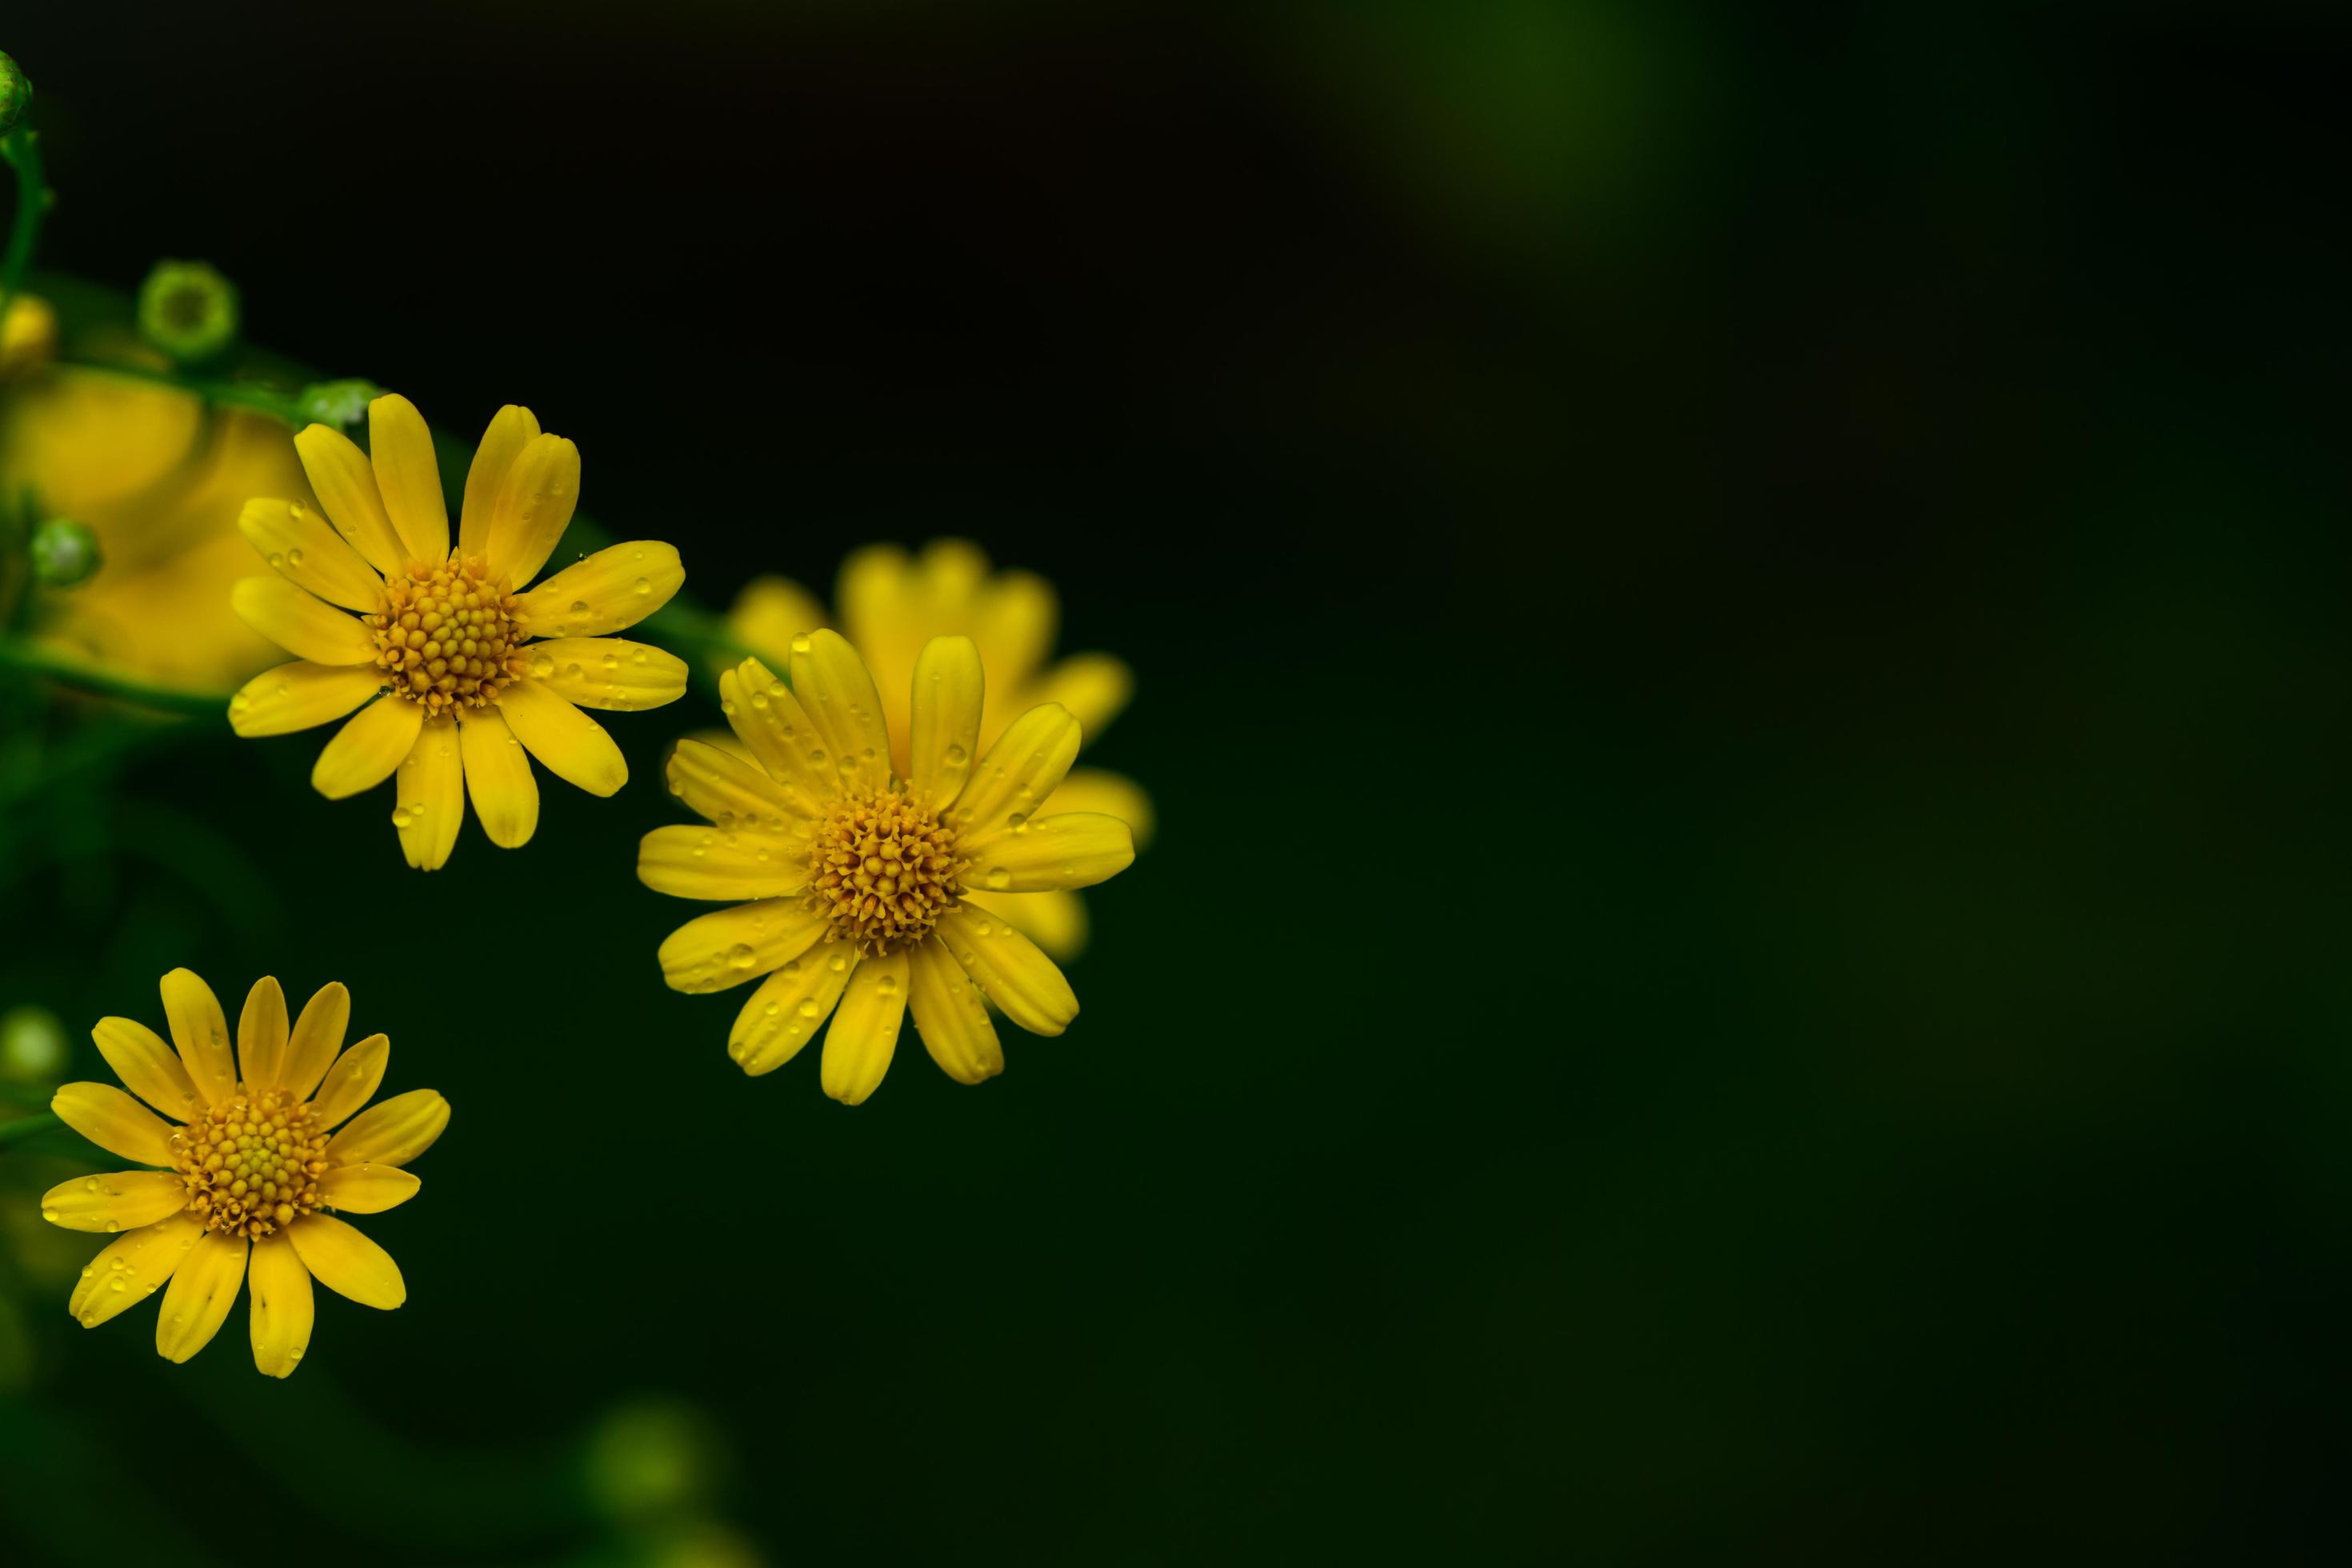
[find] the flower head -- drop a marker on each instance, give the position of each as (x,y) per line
(461,669)
(889,606)
(188,309)
(875,888)
(244,1182)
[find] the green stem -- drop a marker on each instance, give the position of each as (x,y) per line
(23,150)
(30,1127)
(282,406)
(34,660)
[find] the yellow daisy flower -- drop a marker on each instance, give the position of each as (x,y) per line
(862,870)
(247,1184)
(445,636)
(889,606)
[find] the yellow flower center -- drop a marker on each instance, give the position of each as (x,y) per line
(884,869)
(445,634)
(252,1164)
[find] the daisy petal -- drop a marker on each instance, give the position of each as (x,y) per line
(283,1307)
(864,1032)
(200,1030)
(498,777)
(365,750)
(533,507)
(131,1268)
(351,1081)
(303,624)
(1018,773)
(1095,687)
(262,1035)
(392,1131)
(567,742)
(346,1262)
(728,794)
(1070,849)
(114,1121)
(511,429)
(367,1189)
(1016,617)
(950,1016)
(689,862)
(345,485)
(301,548)
(609,672)
(431,791)
(1113,795)
(203,1289)
(408,479)
(1055,921)
(614,588)
(725,949)
(785,1013)
(299,696)
(124,1200)
(770,612)
(945,703)
(767,718)
(1009,969)
(839,697)
(318,1036)
(147,1067)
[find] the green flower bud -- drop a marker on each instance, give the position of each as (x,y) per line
(187,310)
(64,552)
(16,94)
(338,405)
(32,1044)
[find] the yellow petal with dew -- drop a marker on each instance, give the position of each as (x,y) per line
(392,1131)
(1009,969)
(612,590)
(1018,774)
(832,688)
(301,623)
(367,749)
(147,1067)
(317,1037)
(498,778)
(785,1013)
(567,742)
(1055,921)
(695,862)
(132,1268)
(768,719)
(1113,795)
(1047,854)
(301,548)
(950,1016)
(299,696)
(399,448)
(1094,687)
(121,1200)
(607,672)
(430,796)
(511,429)
(865,1032)
(345,485)
(283,1307)
(727,948)
(351,1083)
(945,705)
(367,1189)
(728,793)
(770,613)
(533,507)
(262,1033)
(200,1030)
(203,1289)
(346,1262)
(114,1121)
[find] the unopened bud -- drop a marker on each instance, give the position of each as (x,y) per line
(16,94)
(188,309)
(32,1045)
(64,552)
(338,405)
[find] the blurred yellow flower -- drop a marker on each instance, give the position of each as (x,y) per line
(445,636)
(248,1184)
(159,481)
(862,870)
(890,607)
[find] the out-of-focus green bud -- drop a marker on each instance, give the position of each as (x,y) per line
(16,94)
(188,309)
(338,405)
(28,336)
(32,1045)
(651,1459)
(64,552)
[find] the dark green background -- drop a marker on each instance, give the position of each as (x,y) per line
(1740,652)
